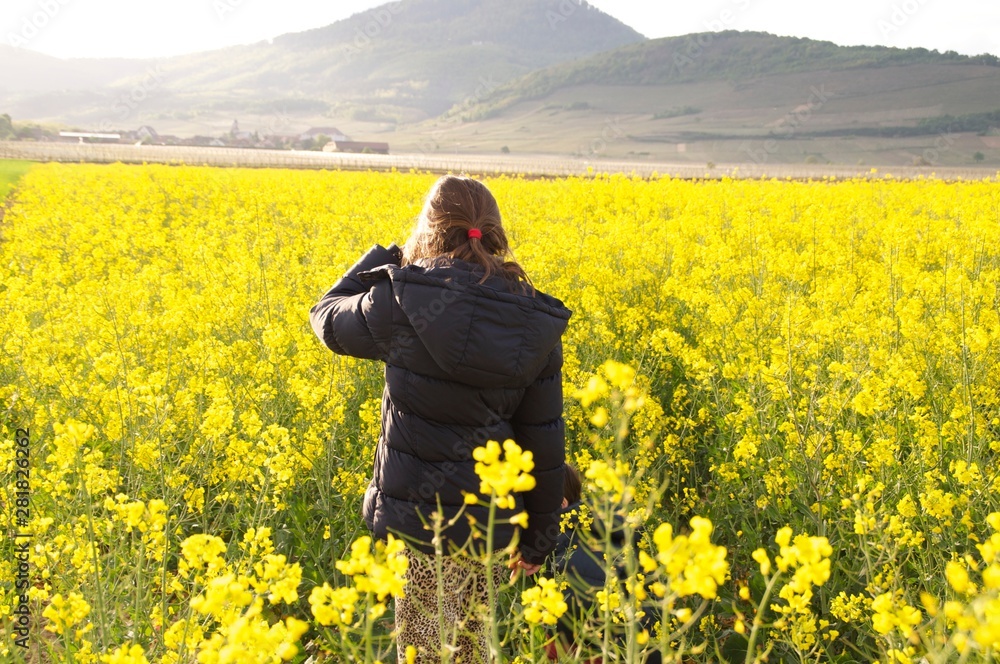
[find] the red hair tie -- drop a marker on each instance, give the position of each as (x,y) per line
(475,233)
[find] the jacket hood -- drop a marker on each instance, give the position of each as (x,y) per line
(477,333)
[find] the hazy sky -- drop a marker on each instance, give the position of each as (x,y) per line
(149,28)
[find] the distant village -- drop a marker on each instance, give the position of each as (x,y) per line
(328,139)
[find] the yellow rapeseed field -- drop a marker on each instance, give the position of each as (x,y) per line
(790,392)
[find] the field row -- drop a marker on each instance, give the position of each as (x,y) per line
(532,166)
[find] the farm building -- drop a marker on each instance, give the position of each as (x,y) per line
(90,137)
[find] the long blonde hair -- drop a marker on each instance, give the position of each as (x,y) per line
(454,205)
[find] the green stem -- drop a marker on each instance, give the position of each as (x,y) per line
(95,559)
(369,652)
(758,619)
(608,518)
(139,585)
(490,589)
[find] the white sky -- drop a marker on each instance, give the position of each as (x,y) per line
(150,28)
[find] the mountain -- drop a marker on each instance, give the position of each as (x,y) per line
(425,54)
(737,96)
(403,61)
(28,71)
(727,56)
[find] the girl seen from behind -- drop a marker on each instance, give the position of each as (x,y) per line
(472,353)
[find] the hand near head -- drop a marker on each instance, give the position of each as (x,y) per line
(516,563)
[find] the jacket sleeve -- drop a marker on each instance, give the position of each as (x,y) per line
(538,426)
(341,317)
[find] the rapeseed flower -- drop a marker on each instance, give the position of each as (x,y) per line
(333,606)
(607,479)
(543,602)
(504,476)
(66,612)
(128,654)
(890,613)
(382,572)
(693,565)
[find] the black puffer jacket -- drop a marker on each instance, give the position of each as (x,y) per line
(465,363)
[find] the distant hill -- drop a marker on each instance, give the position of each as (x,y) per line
(738,96)
(403,61)
(28,71)
(423,54)
(552,29)
(733,56)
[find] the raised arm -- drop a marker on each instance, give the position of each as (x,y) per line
(538,426)
(340,318)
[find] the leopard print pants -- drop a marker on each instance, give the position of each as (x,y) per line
(461,609)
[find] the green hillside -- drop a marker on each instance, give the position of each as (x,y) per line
(734,97)
(731,56)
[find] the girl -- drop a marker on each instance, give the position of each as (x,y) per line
(472,353)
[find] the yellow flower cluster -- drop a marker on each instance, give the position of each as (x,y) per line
(975,613)
(807,559)
(543,602)
(620,378)
(691,563)
(150,520)
(607,479)
(850,608)
(889,613)
(230,623)
(809,556)
(616,387)
(127,654)
(382,572)
(333,606)
(64,613)
(201,558)
(251,638)
(376,573)
(501,477)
